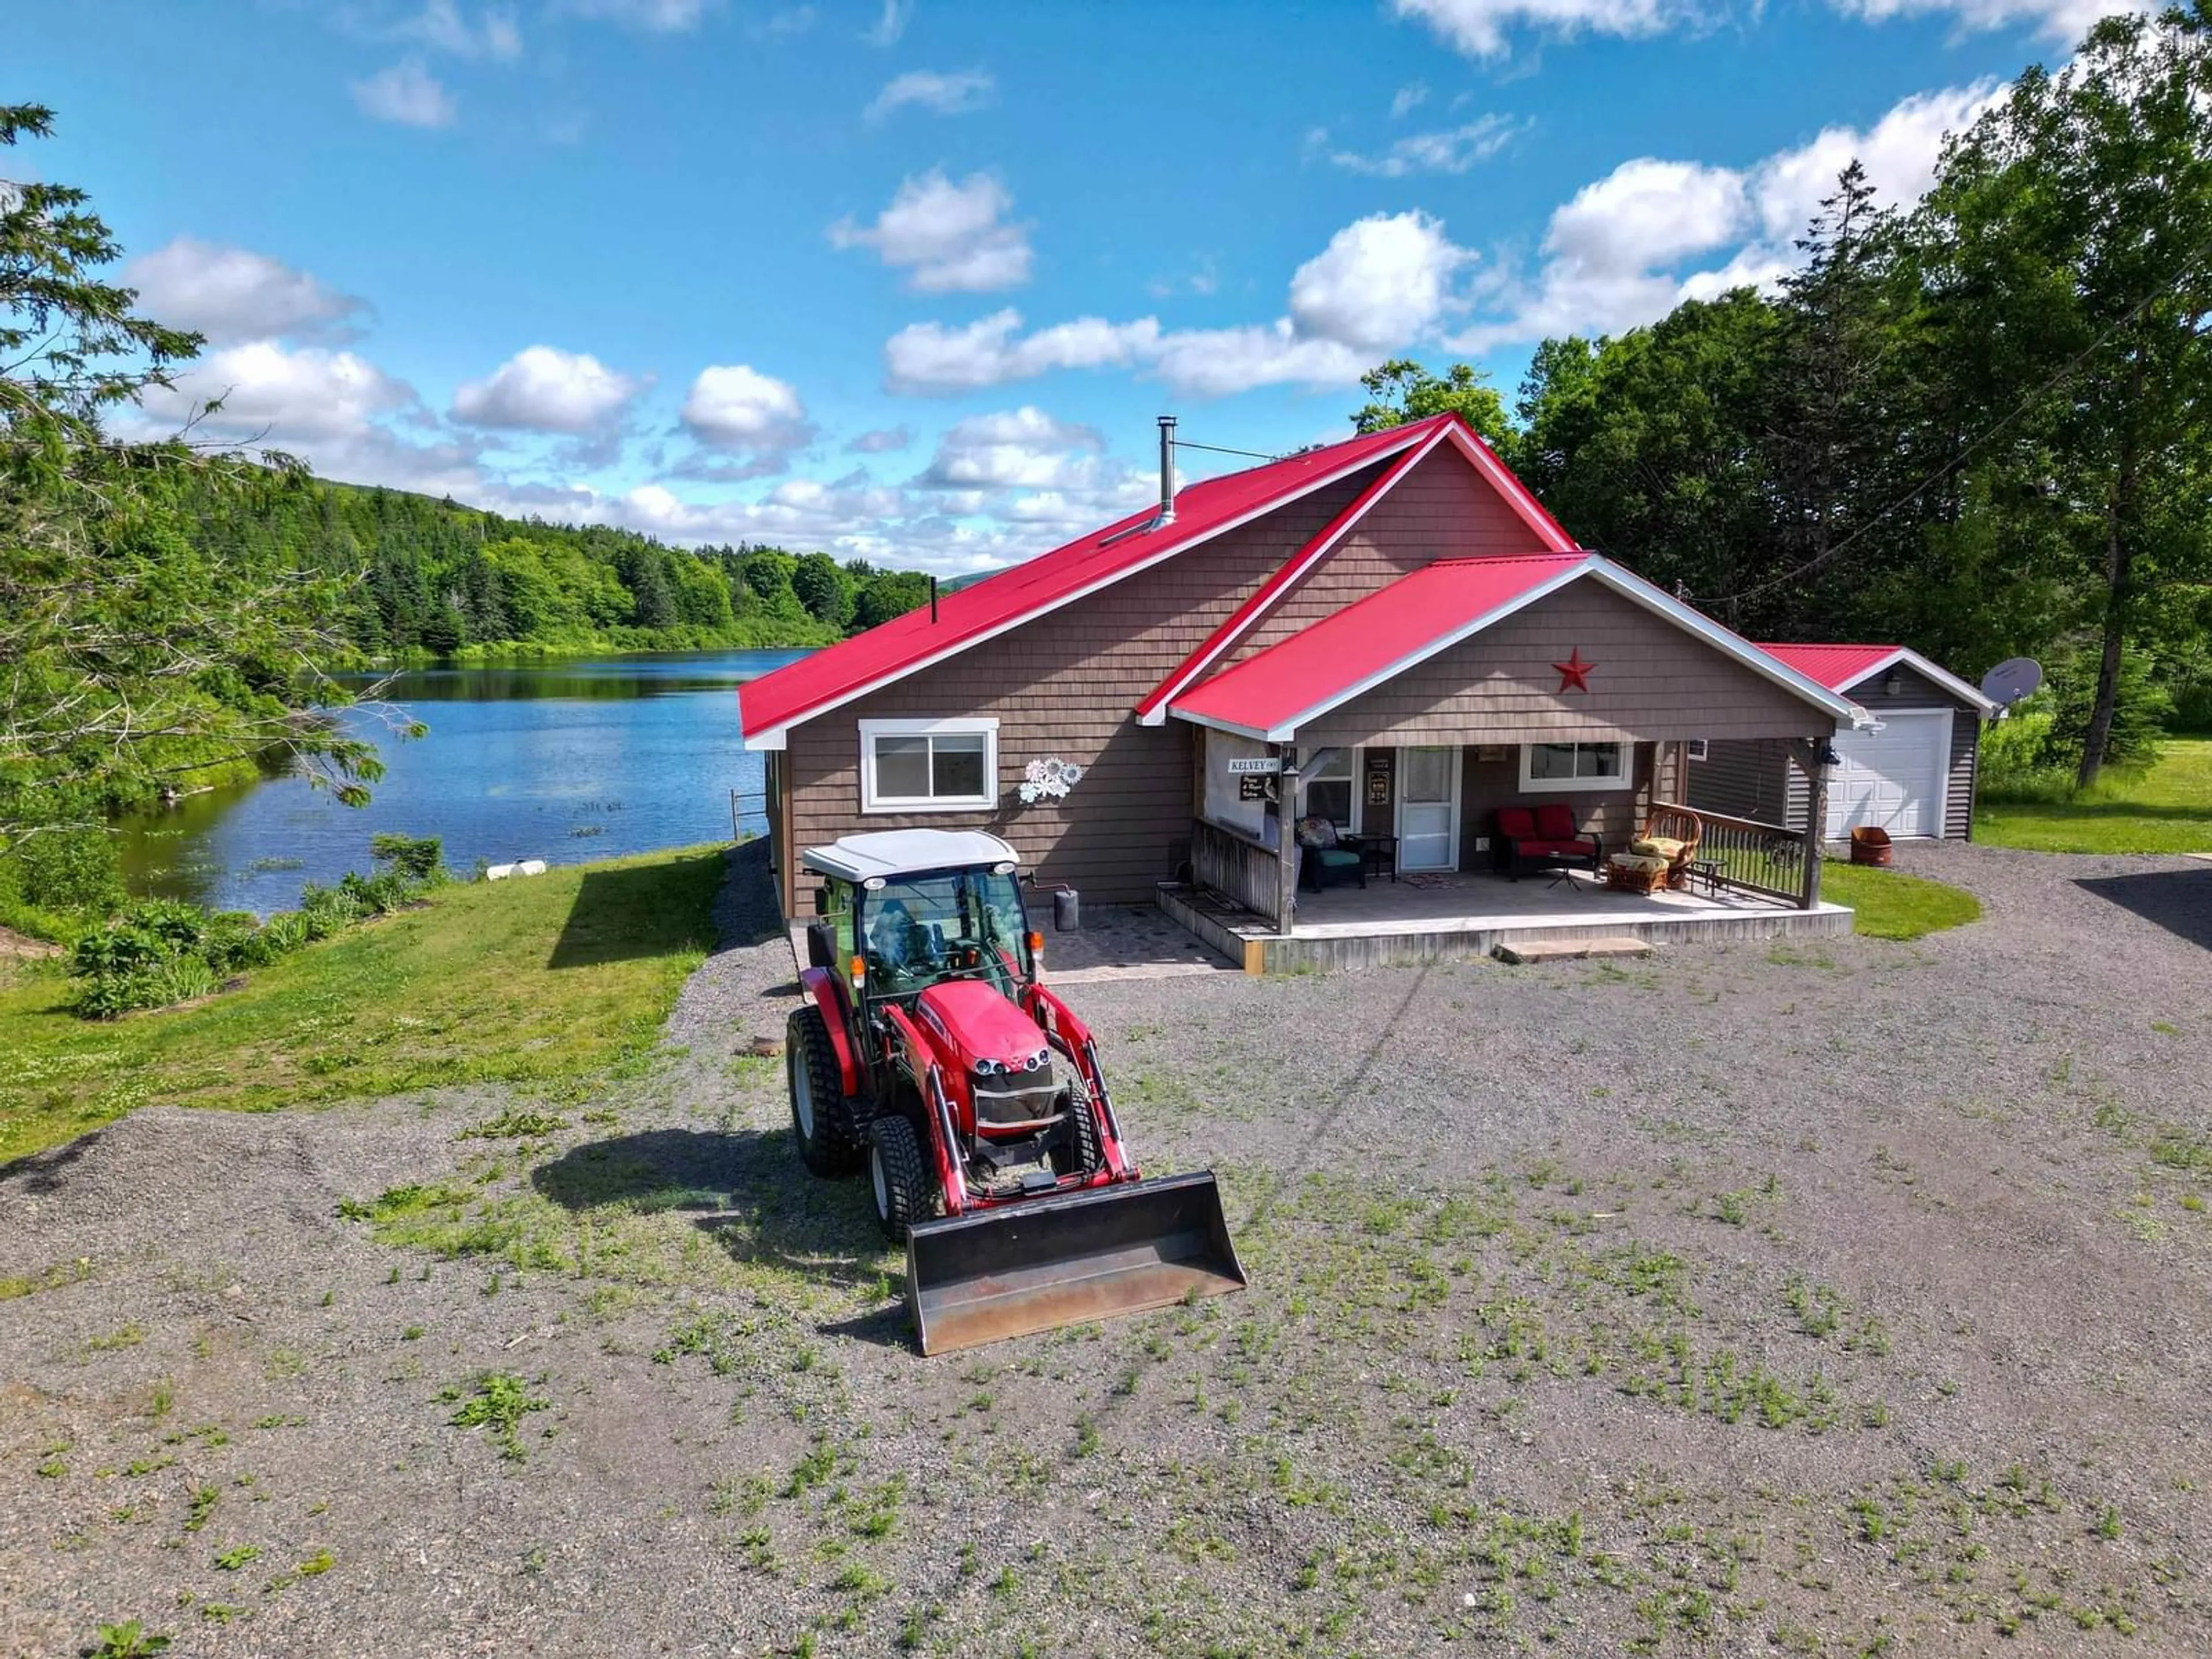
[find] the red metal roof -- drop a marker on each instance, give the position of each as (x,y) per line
(1835,666)
(1370,640)
(1202,510)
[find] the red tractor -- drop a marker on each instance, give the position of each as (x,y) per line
(931,1053)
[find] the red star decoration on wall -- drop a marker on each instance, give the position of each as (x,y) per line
(1574,672)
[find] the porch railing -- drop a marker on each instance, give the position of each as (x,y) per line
(1747,856)
(1235,867)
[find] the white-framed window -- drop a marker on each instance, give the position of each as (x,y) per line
(1696,749)
(929,766)
(1580,768)
(1326,783)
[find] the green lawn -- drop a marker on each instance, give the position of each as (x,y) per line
(1890,904)
(549,981)
(2164,808)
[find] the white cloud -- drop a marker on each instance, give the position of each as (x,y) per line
(1021,447)
(784,25)
(444,27)
(1381,281)
(544,389)
(1214,363)
(407,94)
(735,408)
(232,294)
(655,16)
(1483,29)
(1612,253)
(2062,20)
(881,442)
(929,357)
(955,92)
(951,238)
(1408,100)
(308,393)
(1457,149)
(891,23)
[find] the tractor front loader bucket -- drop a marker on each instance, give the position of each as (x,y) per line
(1052,1262)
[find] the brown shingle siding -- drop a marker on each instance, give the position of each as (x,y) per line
(1064,685)
(1652,681)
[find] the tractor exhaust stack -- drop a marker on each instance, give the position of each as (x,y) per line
(1090,1254)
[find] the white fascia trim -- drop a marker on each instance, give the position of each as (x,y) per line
(1630,585)
(1254,732)
(1288,578)
(1500,477)
(1550,585)
(771,739)
(1948,682)
(1085,591)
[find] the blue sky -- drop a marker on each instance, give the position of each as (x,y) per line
(908,279)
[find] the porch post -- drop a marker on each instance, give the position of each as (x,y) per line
(1286,838)
(1806,756)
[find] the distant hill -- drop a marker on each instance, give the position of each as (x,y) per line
(441,578)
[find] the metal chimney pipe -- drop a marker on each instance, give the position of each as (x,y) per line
(1167,471)
(932,599)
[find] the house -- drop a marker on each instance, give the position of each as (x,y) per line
(1390,632)
(1911,773)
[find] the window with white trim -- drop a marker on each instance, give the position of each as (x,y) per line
(1325,783)
(929,766)
(1586,768)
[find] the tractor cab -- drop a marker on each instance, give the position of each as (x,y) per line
(931,1053)
(887,927)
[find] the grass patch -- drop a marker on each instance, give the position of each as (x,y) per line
(2164,807)
(538,981)
(1890,904)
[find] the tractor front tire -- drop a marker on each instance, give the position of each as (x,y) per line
(905,1192)
(821,1116)
(1079,1153)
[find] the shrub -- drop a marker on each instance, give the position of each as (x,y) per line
(417,857)
(324,910)
(64,873)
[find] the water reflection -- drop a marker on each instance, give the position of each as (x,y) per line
(566,760)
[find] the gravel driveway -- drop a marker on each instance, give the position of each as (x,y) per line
(1830,1298)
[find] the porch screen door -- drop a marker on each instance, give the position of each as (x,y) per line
(1428,809)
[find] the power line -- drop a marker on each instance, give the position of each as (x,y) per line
(2034,398)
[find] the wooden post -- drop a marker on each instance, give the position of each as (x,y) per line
(1806,756)
(1287,839)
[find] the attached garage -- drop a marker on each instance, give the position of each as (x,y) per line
(1911,773)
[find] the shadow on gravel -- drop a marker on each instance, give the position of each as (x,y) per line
(43,1172)
(2180,901)
(745,1189)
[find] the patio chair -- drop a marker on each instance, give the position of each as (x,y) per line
(1324,857)
(1543,838)
(1671,833)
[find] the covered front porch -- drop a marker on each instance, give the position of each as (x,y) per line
(1433,918)
(1492,750)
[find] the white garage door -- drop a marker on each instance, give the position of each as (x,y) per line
(1893,778)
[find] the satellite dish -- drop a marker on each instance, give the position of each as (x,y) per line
(2011,680)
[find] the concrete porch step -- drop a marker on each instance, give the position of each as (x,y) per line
(1519,952)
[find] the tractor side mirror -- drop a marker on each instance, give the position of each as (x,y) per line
(821,946)
(822,900)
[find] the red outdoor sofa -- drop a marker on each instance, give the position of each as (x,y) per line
(1543,838)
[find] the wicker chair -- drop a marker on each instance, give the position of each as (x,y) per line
(1671,833)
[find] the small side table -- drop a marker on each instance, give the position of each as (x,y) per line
(1706,871)
(1378,854)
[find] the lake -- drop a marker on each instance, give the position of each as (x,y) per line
(567,760)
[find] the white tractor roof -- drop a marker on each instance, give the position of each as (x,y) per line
(906,852)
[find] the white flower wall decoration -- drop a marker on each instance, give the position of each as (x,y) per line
(1048,778)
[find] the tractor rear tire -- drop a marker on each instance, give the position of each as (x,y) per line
(905,1191)
(822,1119)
